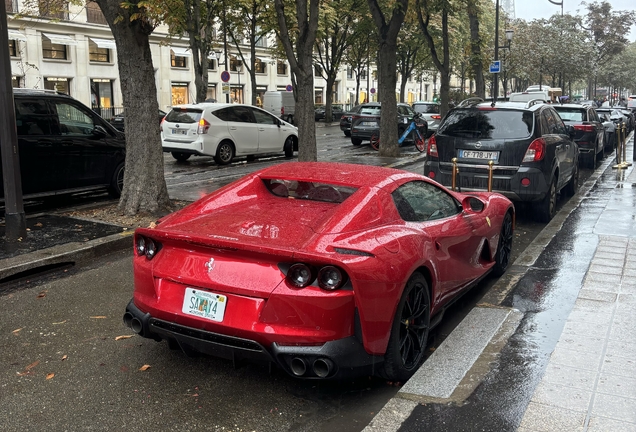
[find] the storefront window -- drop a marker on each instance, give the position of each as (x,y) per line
(236,94)
(260,93)
(61,85)
(101,93)
(318,97)
(211,93)
(179,93)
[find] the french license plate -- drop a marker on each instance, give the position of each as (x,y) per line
(204,304)
(476,154)
(179,132)
(368,124)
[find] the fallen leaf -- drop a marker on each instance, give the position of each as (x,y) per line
(49,376)
(42,294)
(16,331)
(39,224)
(61,322)
(144,367)
(32,365)
(98,317)
(152,225)
(123,337)
(64,357)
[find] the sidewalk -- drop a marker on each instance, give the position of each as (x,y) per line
(552,346)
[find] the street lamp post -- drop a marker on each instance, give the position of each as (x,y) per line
(509,34)
(239,68)
(227,95)
(558,4)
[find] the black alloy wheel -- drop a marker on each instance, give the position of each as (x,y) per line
(117,183)
(224,153)
(288,147)
(409,332)
(504,247)
(573,185)
(546,209)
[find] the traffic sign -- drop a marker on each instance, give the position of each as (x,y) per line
(226,88)
(495,67)
(372,91)
(225,76)
(289,87)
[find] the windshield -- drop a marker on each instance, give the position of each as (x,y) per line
(184,115)
(570,114)
(426,108)
(371,110)
(487,124)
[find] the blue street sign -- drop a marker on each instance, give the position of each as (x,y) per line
(225,76)
(495,67)
(289,87)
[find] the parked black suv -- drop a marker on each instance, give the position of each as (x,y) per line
(65,147)
(589,130)
(532,150)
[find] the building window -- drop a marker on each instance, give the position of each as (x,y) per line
(334,91)
(235,64)
(101,93)
(363,74)
(179,93)
(53,10)
(349,72)
(211,64)
(11,6)
(16,81)
(317,70)
(260,93)
(236,94)
(13,49)
(97,54)
(281,68)
(259,66)
(261,41)
(178,61)
(318,97)
(53,51)
(94,14)
(61,85)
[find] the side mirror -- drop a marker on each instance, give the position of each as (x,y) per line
(472,204)
(99,131)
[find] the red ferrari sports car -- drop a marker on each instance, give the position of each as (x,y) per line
(325,269)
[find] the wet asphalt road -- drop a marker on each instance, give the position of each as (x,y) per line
(79,316)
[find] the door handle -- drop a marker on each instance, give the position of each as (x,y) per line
(232,127)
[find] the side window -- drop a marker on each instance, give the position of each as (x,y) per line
(224,114)
(420,201)
(73,120)
(559,126)
(264,118)
(546,123)
(241,114)
(32,117)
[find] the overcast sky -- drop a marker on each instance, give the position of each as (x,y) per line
(536,9)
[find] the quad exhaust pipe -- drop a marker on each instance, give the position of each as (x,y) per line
(134,323)
(321,367)
(298,366)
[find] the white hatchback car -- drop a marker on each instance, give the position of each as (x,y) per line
(224,131)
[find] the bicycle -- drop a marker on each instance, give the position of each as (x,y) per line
(420,141)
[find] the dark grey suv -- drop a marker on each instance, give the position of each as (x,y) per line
(589,130)
(532,150)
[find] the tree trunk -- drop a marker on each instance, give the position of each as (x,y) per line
(402,88)
(387,80)
(475,46)
(144,186)
(331,79)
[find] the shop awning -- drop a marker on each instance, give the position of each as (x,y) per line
(16,35)
(60,39)
(181,52)
(104,43)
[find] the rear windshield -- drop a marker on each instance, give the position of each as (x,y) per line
(309,190)
(371,110)
(184,115)
(571,114)
(487,124)
(427,108)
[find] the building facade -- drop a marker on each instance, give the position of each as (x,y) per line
(74,52)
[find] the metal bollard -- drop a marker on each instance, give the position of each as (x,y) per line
(455,171)
(490,167)
(625,163)
(619,149)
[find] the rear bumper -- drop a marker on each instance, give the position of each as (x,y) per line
(506,180)
(335,359)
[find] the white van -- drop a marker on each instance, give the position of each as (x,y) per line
(281,104)
(528,96)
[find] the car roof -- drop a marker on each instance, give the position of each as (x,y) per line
(337,173)
(203,105)
(505,105)
(570,106)
(39,92)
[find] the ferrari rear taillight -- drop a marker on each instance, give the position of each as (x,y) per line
(431,149)
(204,125)
(145,246)
(536,151)
(330,278)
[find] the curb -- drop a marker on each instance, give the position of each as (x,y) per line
(75,253)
